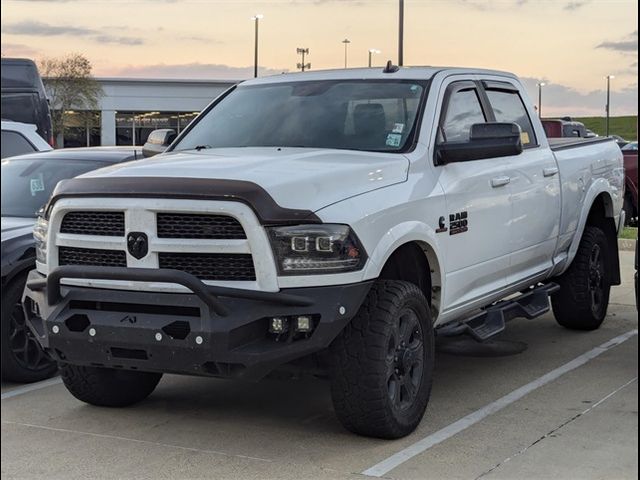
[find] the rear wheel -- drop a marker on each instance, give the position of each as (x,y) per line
(107,387)
(382,362)
(23,359)
(583,298)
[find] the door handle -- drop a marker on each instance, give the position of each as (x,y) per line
(499,181)
(550,172)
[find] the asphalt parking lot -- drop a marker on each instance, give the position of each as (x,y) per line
(542,402)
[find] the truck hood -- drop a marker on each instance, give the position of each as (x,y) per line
(295,177)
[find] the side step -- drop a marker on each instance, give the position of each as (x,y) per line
(492,319)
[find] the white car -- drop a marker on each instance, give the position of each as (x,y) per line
(330,219)
(20,138)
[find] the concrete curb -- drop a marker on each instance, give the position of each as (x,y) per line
(626,244)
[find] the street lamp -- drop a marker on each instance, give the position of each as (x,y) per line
(372,51)
(303,52)
(401,33)
(256,19)
(608,107)
(346,42)
(540,85)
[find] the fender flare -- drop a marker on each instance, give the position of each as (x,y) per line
(599,187)
(401,234)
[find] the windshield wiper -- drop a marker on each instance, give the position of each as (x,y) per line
(201,147)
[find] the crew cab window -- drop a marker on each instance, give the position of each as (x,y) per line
(15,144)
(462,110)
(508,107)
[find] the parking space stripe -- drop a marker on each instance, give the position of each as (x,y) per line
(397,459)
(31,387)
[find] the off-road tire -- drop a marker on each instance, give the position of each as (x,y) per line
(23,360)
(107,387)
(583,298)
(630,214)
(365,385)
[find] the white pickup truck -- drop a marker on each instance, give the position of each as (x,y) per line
(332,220)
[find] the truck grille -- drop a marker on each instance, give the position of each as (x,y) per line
(91,256)
(188,225)
(211,266)
(93,223)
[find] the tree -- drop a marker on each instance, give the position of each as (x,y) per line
(70,86)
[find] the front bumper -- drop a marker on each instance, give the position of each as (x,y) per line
(214,331)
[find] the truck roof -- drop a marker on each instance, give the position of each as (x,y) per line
(403,73)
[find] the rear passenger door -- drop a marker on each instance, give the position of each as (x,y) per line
(478,211)
(534,186)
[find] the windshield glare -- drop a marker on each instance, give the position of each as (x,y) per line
(358,115)
(27,184)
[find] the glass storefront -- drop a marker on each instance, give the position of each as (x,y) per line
(133,128)
(81,129)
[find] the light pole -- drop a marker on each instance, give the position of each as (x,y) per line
(256,19)
(346,42)
(540,85)
(303,52)
(608,107)
(372,51)
(401,33)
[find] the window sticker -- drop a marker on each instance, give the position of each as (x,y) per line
(393,139)
(398,127)
(524,136)
(37,185)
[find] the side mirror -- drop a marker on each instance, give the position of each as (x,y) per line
(158,141)
(487,140)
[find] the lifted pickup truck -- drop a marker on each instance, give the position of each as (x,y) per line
(332,219)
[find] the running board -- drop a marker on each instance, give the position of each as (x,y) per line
(492,320)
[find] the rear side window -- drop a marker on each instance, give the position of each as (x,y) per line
(462,111)
(15,144)
(508,107)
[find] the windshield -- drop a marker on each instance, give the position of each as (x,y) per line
(28,183)
(631,147)
(343,114)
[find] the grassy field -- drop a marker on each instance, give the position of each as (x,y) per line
(629,233)
(626,127)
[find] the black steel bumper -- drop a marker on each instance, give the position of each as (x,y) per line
(214,331)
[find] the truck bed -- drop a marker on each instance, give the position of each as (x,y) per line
(573,142)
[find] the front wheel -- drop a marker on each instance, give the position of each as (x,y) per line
(583,298)
(23,359)
(382,363)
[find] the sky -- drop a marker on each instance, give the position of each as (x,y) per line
(571,45)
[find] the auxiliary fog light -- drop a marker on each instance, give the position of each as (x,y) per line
(278,325)
(304,324)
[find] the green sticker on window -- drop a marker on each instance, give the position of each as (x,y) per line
(393,139)
(37,185)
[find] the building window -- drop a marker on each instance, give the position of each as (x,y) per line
(81,128)
(133,128)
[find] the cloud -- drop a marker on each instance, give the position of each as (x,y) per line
(18,50)
(41,29)
(561,100)
(206,71)
(628,45)
(118,40)
(575,4)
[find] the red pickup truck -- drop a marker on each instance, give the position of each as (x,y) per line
(630,152)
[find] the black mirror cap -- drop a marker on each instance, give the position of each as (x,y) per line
(158,141)
(487,140)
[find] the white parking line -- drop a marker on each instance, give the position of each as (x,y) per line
(388,464)
(31,387)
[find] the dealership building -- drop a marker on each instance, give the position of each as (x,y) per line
(130,108)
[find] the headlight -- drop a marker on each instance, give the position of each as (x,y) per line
(40,231)
(316,249)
